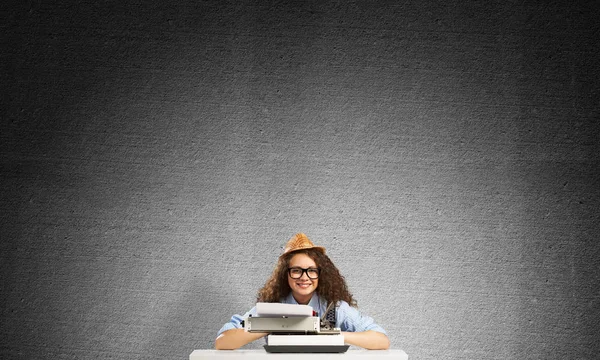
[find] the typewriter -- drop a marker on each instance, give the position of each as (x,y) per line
(295,329)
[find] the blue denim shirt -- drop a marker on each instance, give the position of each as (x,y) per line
(347,318)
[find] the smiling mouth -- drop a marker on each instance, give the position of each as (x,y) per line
(303,285)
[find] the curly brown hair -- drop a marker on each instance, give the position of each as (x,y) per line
(332,285)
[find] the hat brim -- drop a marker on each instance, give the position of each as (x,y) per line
(319,248)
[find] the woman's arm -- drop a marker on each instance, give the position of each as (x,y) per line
(236,338)
(372,340)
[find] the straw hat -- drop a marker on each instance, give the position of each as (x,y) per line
(300,242)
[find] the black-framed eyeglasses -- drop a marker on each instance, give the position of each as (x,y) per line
(297,272)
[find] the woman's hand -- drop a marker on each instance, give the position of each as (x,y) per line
(372,340)
(236,338)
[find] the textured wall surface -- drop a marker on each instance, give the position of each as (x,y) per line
(155,159)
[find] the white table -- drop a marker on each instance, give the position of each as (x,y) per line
(262,354)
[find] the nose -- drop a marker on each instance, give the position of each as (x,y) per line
(304,275)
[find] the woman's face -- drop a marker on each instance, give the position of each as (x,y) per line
(303,287)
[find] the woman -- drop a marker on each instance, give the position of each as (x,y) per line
(305,275)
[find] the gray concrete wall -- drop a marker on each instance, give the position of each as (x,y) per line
(156,158)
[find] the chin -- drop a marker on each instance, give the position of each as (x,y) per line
(305,292)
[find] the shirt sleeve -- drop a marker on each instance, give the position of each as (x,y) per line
(236,321)
(352,320)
